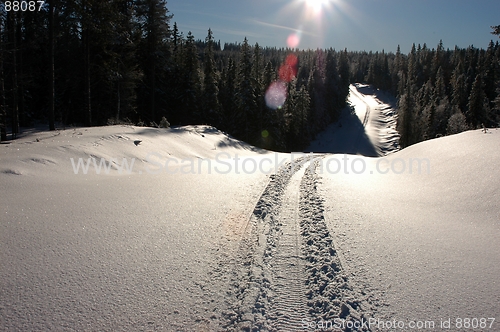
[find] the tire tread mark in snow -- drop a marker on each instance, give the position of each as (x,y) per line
(287,268)
(331,298)
(289,305)
(251,279)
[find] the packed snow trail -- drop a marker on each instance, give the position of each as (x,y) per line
(290,300)
(366,114)
(366,127)
(287,275)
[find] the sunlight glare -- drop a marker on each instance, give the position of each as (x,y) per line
(317,5)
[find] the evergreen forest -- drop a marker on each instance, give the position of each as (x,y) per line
(94,62)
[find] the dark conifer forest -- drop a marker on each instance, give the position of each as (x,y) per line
(94,62)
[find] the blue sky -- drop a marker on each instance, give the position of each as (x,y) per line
(357,25)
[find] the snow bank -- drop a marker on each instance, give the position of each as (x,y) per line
(117,251)
(423,245)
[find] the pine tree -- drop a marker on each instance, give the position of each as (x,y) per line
(405,116)
(457,123)
(440,86)
(191,89)
(459,87)
(86,41)
(177,42)
(51,67)
(259,92)
(124,64)
(154,21)
(12,28)
(245,95)
(300,130)
(334,102)
(413,70)
(475,107)
(344,73)
(397,71)
(3,101)
(496,30)
(211,106)
(227,92)
(319,116)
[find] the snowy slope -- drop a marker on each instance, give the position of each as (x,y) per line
(116,252)
(423,246)
(208,243)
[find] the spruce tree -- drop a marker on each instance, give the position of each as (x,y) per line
(457,123)
(211,106)
(124,62)
(475,107)
(154,18)
(396,72)
(257,76)
(191,89)
(51,67)
(227,92)
(496,30)
(245,95)
(334,102)
(405,116)
(345,79)
(12,31)
(3,101)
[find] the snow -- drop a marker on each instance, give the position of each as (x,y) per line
(207,243)
(368,127)
(114,251)
(424,245)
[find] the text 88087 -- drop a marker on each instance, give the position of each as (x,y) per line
(23,6)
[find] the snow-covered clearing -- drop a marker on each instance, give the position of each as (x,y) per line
(207,233)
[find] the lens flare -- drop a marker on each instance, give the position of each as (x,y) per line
(288,70)
(293,40)
(276,95)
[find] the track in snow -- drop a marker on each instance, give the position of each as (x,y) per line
(287,272)
(290,292)
(353,90)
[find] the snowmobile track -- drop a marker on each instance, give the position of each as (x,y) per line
(289,304)
(287,272)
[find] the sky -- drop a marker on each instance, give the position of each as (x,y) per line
(358,25)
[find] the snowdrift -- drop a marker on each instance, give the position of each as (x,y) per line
(423,240)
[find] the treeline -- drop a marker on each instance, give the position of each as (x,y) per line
(93,62)
(96,62)
(439,91)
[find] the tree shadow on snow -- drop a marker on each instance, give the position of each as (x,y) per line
(381,95)
(346,136)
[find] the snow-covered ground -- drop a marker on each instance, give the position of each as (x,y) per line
(367,127)
(201,232)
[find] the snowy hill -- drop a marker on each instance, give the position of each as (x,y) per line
(227,237)
(424,243)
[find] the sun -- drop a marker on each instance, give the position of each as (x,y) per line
(317,5)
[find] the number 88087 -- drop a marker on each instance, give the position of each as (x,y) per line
(23,6)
